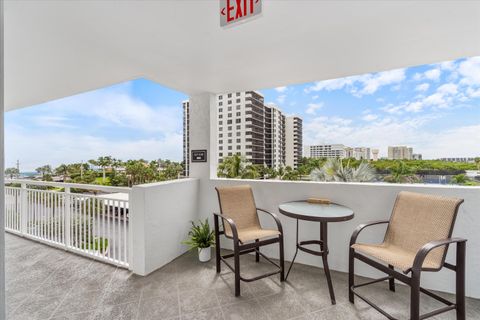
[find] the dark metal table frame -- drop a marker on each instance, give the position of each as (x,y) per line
(323,243)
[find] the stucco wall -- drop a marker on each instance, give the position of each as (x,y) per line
(369,202)
(160,220)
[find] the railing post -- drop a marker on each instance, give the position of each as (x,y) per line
(23,209)
(67,218)
(130,231)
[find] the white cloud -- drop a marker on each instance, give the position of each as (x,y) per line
(69,147)
(433,74)
(281,98)
(313,107)
(470,71)
(370,117)
(462,141)
(361,85)
(281,89)
(448,65)
(422,87)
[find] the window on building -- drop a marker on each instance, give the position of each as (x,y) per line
(238,100)
(238,120)
(238,94)
(229,134)
(239,127)
(229,115)
(220,97)
(220,103)
(239,140)
(239,147)
(229,95)
(239,114)
(229,102)
(229,121)
(230,128)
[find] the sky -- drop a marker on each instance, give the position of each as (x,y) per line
(433,108)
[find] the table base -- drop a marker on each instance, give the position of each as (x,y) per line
(323,252)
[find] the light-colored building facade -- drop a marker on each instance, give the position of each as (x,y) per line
(274,137)
(248,127)
(186,139)
(375,153)
(328,151)
(293,141)
(417,156)
(400,153)
(459,159)
(358,153)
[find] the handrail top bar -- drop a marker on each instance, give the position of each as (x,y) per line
(70,185)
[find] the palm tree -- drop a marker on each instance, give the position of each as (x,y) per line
(12,172)
(401,173)
(62,170)
(232,167)
(335,170)
(45,171)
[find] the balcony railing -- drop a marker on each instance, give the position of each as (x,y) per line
(91,224)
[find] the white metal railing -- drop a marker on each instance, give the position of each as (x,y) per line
(84,223)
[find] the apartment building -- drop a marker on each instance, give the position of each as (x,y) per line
(248,127)
(358,153)
(375,153)
(400,153)
(459,159)
(274,137)
(293,141)
(327,151)
(186,139)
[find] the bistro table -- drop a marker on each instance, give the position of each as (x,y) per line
(323,213)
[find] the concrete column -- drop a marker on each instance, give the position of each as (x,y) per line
(203,136)
(2,155)
(203,115)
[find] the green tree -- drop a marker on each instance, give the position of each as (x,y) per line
(400,172)
(232,167)
(334,169)
(45,171)
(63,171)
(12,172)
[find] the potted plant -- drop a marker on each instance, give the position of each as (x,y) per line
(201,237)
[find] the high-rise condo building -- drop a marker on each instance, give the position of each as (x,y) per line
(358,153)
(186,138)
(400,153)
(274,137)
(375,153)
(246,126)
(293,141)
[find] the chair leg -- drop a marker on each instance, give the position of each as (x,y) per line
(415,296)
(351,275)
(282,259)
(391,281)
(460,281)
(257,255)
(217,245)
(236,252)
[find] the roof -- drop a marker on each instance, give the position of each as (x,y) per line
(55,48)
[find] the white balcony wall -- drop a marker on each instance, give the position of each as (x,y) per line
(161,215)
(369,202)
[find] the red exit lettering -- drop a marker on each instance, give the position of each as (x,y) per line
(234,10)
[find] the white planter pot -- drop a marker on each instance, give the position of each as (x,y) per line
(204,254)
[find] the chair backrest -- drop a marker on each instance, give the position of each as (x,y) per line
(420,218)
(237,203)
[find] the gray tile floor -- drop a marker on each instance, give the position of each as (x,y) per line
(46,283)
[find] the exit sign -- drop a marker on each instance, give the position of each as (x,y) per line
(232,11)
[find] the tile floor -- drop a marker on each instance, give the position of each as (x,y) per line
(47,283)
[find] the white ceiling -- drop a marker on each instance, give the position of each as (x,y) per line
(57,48)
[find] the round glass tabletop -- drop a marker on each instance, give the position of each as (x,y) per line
(316,212)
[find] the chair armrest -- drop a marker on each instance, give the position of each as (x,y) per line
(360,228)
(275,217)
(425,250)
(230,222)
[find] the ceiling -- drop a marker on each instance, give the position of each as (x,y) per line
(57,48)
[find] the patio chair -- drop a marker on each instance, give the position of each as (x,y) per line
(239,216)
(417,238)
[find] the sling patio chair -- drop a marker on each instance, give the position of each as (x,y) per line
(417,238)
(239,216)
